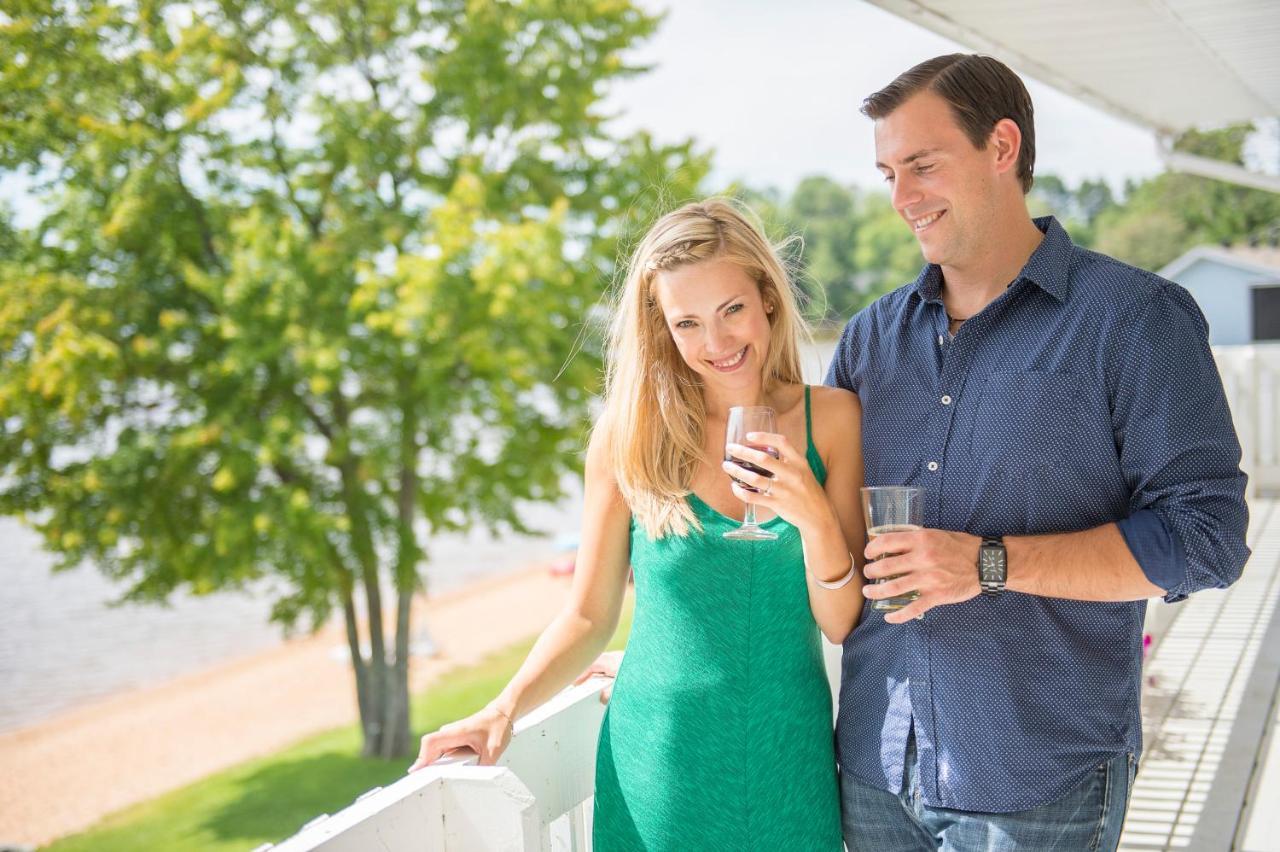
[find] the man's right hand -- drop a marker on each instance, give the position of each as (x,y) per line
(606,664)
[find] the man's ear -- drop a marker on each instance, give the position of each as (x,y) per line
(1006,143)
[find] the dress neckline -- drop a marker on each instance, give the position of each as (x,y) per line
(698,501)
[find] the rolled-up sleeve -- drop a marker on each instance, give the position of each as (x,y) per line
(1178,450)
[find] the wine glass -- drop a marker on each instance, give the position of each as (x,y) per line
(744,419)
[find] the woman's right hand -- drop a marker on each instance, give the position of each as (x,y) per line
(486,732)
(606,664)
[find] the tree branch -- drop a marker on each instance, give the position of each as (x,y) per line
(314,416)
(202,222)
(311,219)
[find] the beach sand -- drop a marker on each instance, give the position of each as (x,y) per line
(63,775)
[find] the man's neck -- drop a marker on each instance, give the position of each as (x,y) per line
(968,289)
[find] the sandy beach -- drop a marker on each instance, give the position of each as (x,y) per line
(153,740)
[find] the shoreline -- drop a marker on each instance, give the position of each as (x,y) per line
(55,769)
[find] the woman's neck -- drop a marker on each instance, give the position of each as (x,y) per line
(722,399)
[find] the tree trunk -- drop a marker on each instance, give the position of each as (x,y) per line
(382,681)
(396,737)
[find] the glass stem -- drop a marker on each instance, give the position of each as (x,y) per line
(749,516)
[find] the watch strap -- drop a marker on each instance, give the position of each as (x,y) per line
(993,568)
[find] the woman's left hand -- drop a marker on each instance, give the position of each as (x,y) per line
(792,493)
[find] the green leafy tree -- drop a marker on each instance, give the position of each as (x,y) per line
(307,287)
(825,215)
(1076,209)
(853,247)
(887,253)
(1171,213)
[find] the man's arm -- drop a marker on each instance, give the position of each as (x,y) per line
(1090,565)
(1177,447)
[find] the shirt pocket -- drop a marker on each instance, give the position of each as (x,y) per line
(1025,419)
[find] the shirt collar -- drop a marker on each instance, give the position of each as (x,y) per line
(1048,267)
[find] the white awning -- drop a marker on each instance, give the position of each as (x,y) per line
(1164,64)
(1167,65)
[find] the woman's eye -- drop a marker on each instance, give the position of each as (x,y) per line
(733,309)
(684,324)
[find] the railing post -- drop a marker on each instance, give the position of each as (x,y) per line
(488,808)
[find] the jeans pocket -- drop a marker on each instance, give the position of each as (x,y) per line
(1118,773)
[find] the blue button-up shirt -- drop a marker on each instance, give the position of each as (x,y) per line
(1084,394)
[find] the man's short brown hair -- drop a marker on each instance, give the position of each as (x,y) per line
(980,90)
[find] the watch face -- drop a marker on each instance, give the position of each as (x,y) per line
(991,565)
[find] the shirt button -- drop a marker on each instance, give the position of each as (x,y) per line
(939,339)
(946,400)
(933,465)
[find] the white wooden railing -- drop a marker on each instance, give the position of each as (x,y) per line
(539,796)
(1251,377)
(537,799)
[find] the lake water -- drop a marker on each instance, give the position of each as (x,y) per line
(62,645)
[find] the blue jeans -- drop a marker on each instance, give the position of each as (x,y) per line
(1089,817)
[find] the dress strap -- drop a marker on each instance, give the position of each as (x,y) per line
(811,449)
(808,418)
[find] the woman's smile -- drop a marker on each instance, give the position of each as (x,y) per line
(733,362)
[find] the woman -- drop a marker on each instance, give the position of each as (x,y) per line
(718,733)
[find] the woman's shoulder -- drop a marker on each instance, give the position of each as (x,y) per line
(837,417)
(834,404)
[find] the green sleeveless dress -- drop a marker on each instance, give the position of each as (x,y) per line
(719,734)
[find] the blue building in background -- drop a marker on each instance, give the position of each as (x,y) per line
(1238,289)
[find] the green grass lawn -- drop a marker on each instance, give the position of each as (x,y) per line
(268,799)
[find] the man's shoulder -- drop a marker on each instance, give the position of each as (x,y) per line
(863,332)
(1103,280)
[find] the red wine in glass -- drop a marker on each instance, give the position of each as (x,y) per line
(752,466)
(742,420)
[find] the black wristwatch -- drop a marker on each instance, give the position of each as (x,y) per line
(993,566)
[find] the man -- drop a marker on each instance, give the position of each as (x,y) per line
(1063,413)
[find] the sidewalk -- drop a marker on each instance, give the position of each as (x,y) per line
(63,775)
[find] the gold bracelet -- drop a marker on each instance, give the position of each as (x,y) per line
(511,723)
(835,585)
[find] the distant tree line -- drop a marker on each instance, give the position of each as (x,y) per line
(854,247)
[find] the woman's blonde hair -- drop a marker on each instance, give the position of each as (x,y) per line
(654,413)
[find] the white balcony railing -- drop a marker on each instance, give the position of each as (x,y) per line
(1251,377)
(539,797)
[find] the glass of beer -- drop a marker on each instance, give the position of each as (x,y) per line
(888,509)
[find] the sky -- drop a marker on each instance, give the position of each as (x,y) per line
(774,88)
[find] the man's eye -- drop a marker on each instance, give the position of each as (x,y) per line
(888,178)
(921,170)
